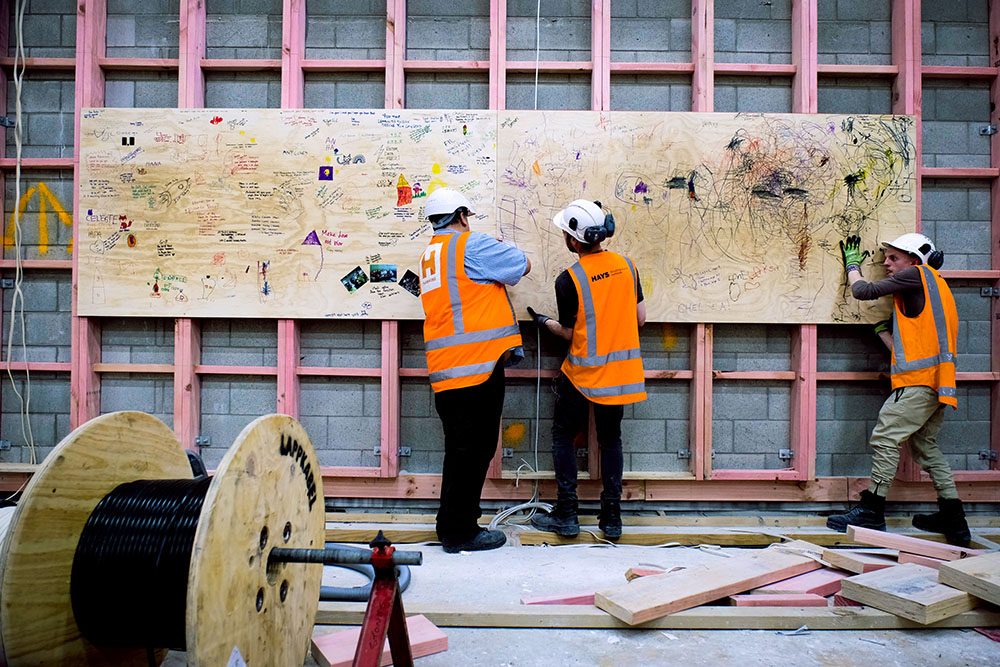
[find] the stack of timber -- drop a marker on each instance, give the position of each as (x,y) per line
(964,579)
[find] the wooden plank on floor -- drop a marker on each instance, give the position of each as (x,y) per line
(788,600)
(647,598)
(449,614)
(909,590)
(979,576)
(636,572)
(913,545)
(926,561)
(859,561)
(825,581)
(337,649)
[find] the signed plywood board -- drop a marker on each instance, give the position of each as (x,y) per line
(318,213)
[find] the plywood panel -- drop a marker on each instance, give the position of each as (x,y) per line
(909,590)
(318,213)
(979,576)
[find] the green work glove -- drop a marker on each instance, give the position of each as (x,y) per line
(539,319)
(850,250)
(883,326)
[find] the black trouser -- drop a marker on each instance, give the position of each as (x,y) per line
(471,420)
(570,417)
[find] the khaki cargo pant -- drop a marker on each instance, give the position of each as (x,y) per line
(912,413)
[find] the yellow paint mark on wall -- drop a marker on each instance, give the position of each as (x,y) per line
(668,336)
(535,168)
(436,168)
(45,199)
(513,433)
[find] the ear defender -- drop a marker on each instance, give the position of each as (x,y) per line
(935,260)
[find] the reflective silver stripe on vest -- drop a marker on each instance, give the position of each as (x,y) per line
(472,337)
(944,356)
(620,390)
(600,360)
(947,391)
(588,308)
(635,278)
(462,371)
(453,295)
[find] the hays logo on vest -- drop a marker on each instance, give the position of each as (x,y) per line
(607,274)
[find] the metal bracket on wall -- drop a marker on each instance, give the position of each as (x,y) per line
(6,283)
(785,454)
(4,444)
(989,292)
(507,452)
(7,122)
(203,441)
(987,455)
(987,130)
(683,453)
(405,451)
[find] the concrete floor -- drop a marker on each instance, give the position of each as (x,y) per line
(503,576)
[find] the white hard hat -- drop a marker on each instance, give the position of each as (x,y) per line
(915,244)
(576,218)
(445,201)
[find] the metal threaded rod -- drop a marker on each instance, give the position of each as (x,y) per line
(339,556)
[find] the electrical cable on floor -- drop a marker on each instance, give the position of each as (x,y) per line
(17,299)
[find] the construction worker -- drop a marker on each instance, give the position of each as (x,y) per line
(600,311)
(922,340)
(470,334)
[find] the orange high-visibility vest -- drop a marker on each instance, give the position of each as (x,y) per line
(467,325)
(924,347)
(604,362)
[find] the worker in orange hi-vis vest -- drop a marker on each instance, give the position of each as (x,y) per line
(922,337)
(600,311)
(470,334)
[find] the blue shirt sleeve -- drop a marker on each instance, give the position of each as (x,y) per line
(488,260)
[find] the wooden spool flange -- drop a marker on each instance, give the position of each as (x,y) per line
(263,483)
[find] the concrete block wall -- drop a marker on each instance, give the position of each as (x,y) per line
(348,29)
(845,416)
(139,391)
(650,31)
(48,414)
(243,28)
(151,90)
(855,32)
(955,32)
(345,90)
(244,90)
(446,90)
(563,31)
(59,186)
(753,94)
(46,304)
(228,404)
(956,216)
(750,423)
(650,92)
(952,114)
(853,95)
(751,347)
(239,342)
(129,340)
(555,91)
(47,108)
(48,29)
(753,32)
(343,419)
(147,29)
(447,30)
(354,344)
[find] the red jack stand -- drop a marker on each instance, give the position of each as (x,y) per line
(384,614)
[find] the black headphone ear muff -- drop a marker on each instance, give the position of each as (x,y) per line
(936,259)
(572,224)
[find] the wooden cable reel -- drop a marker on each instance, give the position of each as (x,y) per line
(264,495)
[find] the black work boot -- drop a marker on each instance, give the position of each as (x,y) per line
(869,513)
(484,540)
(562,520)
(948,520)
(610,519)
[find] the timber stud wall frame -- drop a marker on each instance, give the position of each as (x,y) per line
(797,483)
